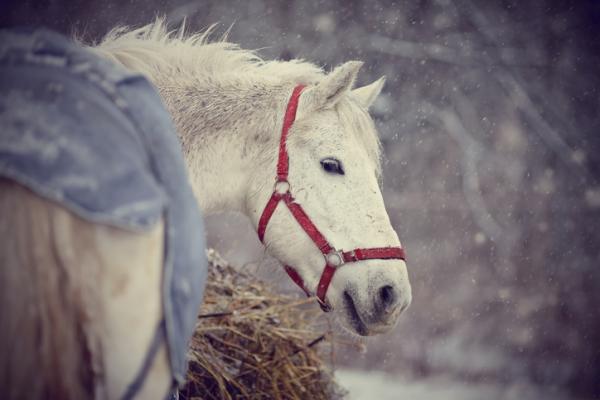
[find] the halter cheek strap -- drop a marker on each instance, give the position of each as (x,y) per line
(282,193)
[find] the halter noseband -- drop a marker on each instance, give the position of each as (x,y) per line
(281,192)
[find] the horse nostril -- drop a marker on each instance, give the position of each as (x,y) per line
(388,297)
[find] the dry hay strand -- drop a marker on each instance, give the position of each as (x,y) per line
(251,343)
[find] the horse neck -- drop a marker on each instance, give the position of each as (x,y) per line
(229,135)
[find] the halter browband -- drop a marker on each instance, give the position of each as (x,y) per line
(281,192)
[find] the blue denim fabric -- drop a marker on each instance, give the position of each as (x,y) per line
(96,138)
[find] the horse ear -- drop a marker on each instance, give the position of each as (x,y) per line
(330,90)
(366,95)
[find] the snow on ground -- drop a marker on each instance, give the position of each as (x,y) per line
(366,385)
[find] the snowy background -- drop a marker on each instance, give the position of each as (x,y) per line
(490,121)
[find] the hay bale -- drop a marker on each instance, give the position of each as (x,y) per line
(251,343)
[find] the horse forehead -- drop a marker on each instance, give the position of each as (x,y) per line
(328,131)
(357,122)
(327,124)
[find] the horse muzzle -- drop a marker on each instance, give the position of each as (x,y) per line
(377,310)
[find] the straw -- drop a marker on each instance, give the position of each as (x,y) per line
(251,343)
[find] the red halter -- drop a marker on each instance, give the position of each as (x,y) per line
(281,192)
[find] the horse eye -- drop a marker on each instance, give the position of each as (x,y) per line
(332,165)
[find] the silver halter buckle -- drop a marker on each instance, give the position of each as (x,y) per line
(334,258)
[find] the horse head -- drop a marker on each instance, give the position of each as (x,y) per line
(334,237)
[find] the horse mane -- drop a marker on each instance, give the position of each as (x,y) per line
(156,52)
(154,47)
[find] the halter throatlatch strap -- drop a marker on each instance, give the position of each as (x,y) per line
(282,192)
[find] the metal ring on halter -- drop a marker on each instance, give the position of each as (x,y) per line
(326,307)
(334,258)
(282,186)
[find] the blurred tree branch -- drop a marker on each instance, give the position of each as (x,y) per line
(519,91)
(472,153)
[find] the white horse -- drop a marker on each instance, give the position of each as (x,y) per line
(229,107)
